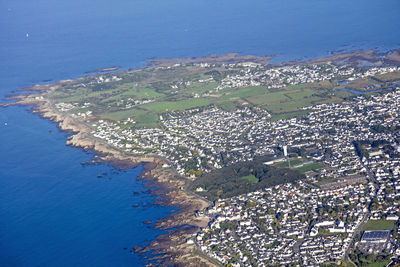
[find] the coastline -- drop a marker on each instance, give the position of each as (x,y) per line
(171,248)
(353,58)
(167,249)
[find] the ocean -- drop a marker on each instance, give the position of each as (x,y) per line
(56,212)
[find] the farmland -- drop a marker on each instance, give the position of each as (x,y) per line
(143,95)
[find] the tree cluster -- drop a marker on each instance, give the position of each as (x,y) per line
(228,181)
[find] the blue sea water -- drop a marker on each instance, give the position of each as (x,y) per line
(56,212)
(53,211)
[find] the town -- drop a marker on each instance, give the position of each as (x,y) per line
(307,223)
(348,205)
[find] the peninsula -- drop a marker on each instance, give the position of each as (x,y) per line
(270,163)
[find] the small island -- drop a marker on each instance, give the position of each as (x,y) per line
(268,162)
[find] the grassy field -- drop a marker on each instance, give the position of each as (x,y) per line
(368,260)
(379,263)
(310,167)
(293,162)
(143,118)
(235,93)
(350,264)
(138,93)
(286,100)
(200,88)
(174,89)
(389,77)
(297,162)
(160,107)
(227,105)
(379,225)
(287,115)
(251,178)
(158,84)
(149,113)
(360,84)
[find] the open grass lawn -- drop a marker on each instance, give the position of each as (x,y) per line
(227,105)
(156,83)
(107,96)
(235,93)
(200,88)
(296,162)
(251,178)
(369,260)
(293,162)
(379,263)
(379,225)
(129,91)
(79,94)
(310,167)
(349,264)
(143,118)
(147,93)
(160,107)
(389,77)
(269,98)
(359,84)
(120,115)
(292,105)
(287,115)
(285,100)
(149,113)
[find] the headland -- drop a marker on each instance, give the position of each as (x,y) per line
(133,117)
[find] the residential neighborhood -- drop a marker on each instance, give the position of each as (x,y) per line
(349,152)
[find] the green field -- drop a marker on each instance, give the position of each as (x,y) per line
(293,162)
(296,165)
(132,92)
(379,263)
(251,178)
(310,167)
(389,77)
(160,107)
(369,260)
(350,264)
(288,99)
(235,93)
(227,105)
(288,115)
(158,84)
(179,88)
(379,225)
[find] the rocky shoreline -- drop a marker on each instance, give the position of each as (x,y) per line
(353,58)
(169,249)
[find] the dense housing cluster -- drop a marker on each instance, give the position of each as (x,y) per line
(285,224)
(359,137)
(348,150)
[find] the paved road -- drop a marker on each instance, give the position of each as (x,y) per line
(205,255)
(366,216)
(358,229)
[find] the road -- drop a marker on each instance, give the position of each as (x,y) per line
(205,255)
(358,229)
(365,218)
